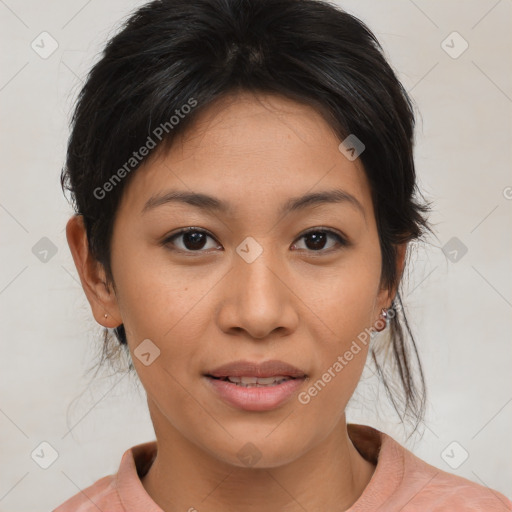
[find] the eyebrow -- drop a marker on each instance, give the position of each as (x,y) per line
(213,204)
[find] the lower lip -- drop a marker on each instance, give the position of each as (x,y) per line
(255,398)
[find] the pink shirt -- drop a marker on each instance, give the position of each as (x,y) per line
(401,482)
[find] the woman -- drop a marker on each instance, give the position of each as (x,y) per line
(244,186)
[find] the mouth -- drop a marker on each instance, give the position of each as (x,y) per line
(244,371)
(255,382)
(255,386)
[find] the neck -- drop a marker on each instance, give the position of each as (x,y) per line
(330,476)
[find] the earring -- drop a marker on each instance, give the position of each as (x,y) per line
(383,315)
(105,315)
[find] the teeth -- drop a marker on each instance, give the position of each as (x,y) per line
(256,381)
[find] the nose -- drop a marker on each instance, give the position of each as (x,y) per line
(258,298)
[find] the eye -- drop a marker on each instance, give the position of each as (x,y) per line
(192,240)
(317,237)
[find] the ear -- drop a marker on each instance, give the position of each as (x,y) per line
(386,296)
(92,275)
(401,251)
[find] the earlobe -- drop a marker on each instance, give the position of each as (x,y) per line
(92,275)
(388,296)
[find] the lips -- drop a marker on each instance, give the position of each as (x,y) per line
(255,387)
(252,371)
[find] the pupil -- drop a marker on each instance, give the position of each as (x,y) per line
(193,240)
(318,240)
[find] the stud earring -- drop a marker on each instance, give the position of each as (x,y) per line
(105,315)
(383,320)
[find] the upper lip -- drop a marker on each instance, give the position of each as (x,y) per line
(242,368)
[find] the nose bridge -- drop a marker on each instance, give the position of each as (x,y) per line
(256,293)
(256,267)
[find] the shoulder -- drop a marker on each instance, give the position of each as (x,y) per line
(439,490)
(120,491)
(426,487)
(402,481)
(101,495)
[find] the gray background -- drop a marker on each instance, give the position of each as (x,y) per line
(459,307)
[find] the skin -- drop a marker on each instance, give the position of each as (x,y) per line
(204,309)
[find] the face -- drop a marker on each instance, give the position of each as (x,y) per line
(253,281)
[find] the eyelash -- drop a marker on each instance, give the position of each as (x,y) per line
(340,239)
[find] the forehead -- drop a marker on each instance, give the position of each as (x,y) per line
(249,121)
(251,150)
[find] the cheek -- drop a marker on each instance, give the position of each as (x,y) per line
(345,300)
(346,307)
(342,361)
(164,304)
(166,308)
(157,298)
